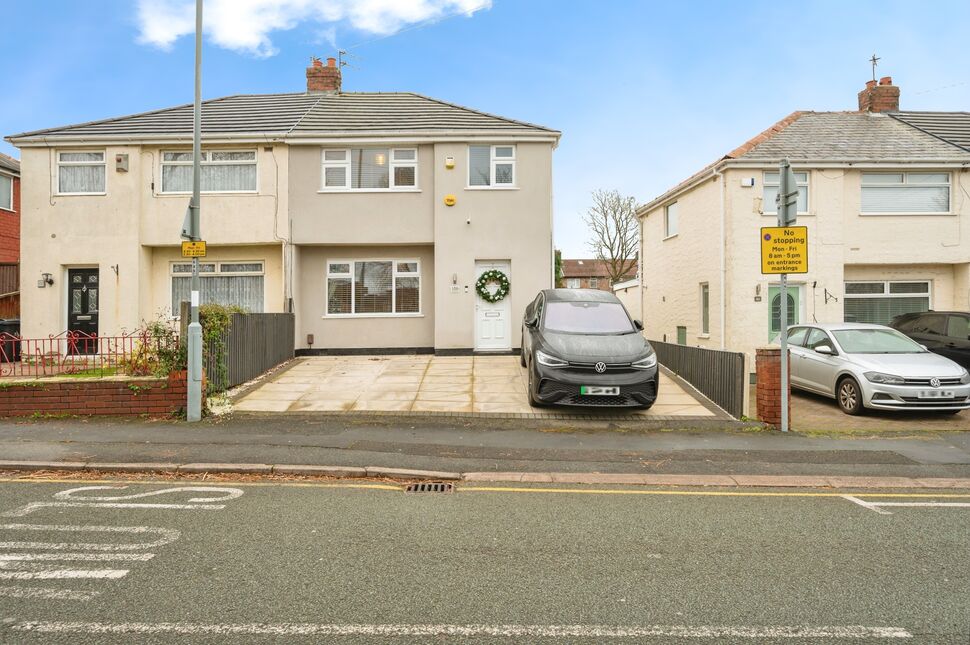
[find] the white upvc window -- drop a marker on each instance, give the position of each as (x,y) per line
(705,308)
(238,283)
(770,192)
(913,193)
(223,171)
(491,166)
(670,220)
(369,169)
(373,287)
(80,172)
(6,192)
(572,283)
(594,283)
(879,301)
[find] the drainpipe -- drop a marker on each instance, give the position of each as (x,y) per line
(720,176)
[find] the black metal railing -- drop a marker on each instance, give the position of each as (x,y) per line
(717,374)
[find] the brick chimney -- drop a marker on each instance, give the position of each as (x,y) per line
(883,97)
(325,79)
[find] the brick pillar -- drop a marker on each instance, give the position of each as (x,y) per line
(768,368)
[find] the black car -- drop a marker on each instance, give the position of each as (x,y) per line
(946,333)
(582,348)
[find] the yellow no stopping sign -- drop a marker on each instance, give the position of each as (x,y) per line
(784,249)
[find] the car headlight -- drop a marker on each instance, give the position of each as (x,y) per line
(965,377)
(886,379)
(549,360)
(645,363)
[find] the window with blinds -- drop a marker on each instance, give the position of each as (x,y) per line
(905,192)
(223,171)
(491,166)
(370,169)
(6,192)
(233,284)
(878,302)
(373,287)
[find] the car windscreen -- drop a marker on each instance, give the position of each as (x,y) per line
(587,318)
(876,341)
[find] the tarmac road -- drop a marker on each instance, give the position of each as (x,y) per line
(365,563)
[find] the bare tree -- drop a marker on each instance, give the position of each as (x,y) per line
(615,231)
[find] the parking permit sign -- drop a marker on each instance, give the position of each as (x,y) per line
(784,249)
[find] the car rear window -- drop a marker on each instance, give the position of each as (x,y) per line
(587,318)
(958,327)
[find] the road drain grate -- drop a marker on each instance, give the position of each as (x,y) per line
(430,487)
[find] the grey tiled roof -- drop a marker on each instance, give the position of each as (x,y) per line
(852,136)
(301,114)
(953,127)
(9,163)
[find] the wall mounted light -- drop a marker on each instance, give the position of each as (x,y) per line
(46,280)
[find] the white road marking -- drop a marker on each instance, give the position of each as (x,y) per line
(533,631)
(871,507)
(64,574)
(34,506)
(46,592)
(167,536)
(91,557)
(877,506)
(230,493)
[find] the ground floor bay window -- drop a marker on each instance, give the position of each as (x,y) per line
(373,287)
(239,284)
(879,301)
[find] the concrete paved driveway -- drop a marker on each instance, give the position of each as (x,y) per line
(432,384)
(812,412)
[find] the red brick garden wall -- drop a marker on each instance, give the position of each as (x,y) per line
(155,397)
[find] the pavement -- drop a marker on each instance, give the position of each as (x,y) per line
(484,445)
(365,563)
(426,384)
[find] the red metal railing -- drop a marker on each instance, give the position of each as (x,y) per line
(77,353)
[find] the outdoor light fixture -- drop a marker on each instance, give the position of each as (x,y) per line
(46,280)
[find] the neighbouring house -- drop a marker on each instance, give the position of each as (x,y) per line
(9,237)
(589,274)
(369,215)
(882,192)
(628,292)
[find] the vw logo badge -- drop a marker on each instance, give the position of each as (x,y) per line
(601,367)
(935,382)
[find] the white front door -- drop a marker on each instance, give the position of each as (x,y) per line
(493,328)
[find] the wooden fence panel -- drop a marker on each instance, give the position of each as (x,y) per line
(717,374)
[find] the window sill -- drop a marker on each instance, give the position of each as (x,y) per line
(669,237)
(9,210)
(947,214)
(763,214)
(208,194)
(359,191)
(491,188)
(80,194)
(342,316)
(704,336)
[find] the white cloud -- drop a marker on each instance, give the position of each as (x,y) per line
(246,25)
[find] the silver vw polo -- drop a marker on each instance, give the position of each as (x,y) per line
(871,366)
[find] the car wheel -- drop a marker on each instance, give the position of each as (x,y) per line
(533,401)
(849,395)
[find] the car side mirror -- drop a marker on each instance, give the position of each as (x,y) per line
(638,324)
(825,349)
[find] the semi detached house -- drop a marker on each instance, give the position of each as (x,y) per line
(883,192)
(370,216)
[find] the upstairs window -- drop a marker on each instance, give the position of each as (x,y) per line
(905,192)
(6,192)
(770,193)
(670,220)
(491,166)
(373,287)
(223,171)
(370,169)
(80,173)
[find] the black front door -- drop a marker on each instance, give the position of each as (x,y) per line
(83,296)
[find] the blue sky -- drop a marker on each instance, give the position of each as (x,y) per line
(645,93)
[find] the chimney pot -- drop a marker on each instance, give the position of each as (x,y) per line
(870,84)
(331,62)
(886,80)
(317,62)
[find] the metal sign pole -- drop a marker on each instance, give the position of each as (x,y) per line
(787,201)
(194,403)
(784,352)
